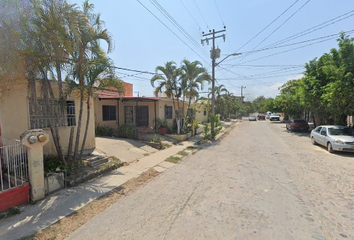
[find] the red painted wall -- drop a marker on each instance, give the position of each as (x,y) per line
(14,197)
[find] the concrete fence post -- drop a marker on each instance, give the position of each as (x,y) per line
(34,140)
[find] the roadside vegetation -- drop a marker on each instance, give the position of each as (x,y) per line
(324,93)
(57,44)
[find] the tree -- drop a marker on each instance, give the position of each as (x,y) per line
(290,100)
(86,40)
(218,92)
(169,82)
(55,41)
(193,75)
(99,76)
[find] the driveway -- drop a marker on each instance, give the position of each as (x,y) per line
(126,150)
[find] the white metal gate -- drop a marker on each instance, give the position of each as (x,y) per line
(13,164)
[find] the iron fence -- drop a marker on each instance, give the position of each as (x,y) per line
(13,164)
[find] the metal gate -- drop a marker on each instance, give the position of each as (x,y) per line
(13,164)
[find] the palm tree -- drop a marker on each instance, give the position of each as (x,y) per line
(44,33)
(194,75)
(169,82)
(86,39)
(99,76)
(219,91)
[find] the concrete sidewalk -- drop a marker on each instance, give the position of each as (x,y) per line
(66,201)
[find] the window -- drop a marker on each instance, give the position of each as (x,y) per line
(168,112)
(142,116)
(109,113)
(128,115)
(70,113)
(205,112)
(323,131)
(46,114)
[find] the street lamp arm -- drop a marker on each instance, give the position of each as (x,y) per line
(232,54)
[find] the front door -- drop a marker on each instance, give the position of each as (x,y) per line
(142,116)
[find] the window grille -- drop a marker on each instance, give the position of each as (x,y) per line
(45,117)
(168,112)
(128,115)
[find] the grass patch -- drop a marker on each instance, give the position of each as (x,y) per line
(173,159)
(183,153)
(202,141)
(166,145)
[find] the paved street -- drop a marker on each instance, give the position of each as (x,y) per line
(260,182)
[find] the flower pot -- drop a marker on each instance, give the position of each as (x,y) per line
(162,130)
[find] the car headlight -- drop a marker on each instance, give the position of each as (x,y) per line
(339,141)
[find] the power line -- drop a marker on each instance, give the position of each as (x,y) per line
(190,15)
(201,14)
(267,26)
(177,25)
(171,30)
(284,22)
(296,43)
(134,70)
(278,28)
(314,28)
(257,78)
(292,49)
(217,8)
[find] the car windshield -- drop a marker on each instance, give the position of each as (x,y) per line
(340,131)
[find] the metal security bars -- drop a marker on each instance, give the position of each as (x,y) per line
(42,117)
(13,164)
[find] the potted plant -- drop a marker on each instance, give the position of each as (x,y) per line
(162,125)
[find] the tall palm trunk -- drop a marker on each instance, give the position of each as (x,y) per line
(81,85)
(86,128)
(54,123)
(78,130)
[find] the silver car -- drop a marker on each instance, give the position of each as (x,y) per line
(335,138)
(252,118)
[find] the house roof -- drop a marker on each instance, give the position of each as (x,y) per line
(127,99)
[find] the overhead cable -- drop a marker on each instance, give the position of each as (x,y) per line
(171,30)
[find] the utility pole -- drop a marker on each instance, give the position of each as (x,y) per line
(214,53)
(242,87)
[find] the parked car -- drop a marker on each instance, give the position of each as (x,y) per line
(268,114)
(261,116)
(252,118)
(335,138)
(297,125)
(274,117)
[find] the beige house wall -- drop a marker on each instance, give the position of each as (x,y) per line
(160,111)
(99,114)
(14,115)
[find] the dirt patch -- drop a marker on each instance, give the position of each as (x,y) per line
(67,225)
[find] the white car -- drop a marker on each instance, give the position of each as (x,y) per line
(335,138)
(252,118)
(274,117)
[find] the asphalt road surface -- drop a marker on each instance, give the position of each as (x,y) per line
(259,182)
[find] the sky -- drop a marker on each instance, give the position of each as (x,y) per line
(275,38)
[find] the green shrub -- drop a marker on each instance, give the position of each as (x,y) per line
(104,131)
(128,131)
(52,164)
(207,134)
(155,138)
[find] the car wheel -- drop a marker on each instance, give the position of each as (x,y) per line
(313,141)
(329,147)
